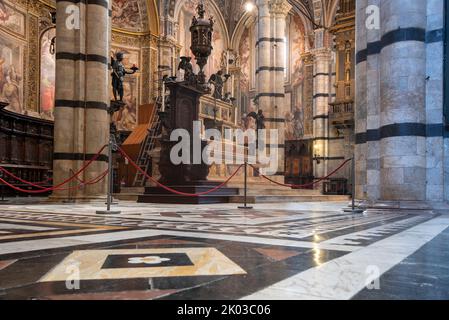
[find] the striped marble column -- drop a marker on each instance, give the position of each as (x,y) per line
(264,45)
(372,114)
(271,67)
(321,93)
(402,100)
(360,112)
(82,95)
(279,11)
(97,89)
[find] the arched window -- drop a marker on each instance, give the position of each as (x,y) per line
(47,74)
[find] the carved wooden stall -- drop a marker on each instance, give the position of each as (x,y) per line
(26,147)
(299,162)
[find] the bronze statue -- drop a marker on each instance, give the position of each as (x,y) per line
(118,74)
(186,65)
(218,82)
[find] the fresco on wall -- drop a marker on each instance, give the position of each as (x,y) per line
(11,18)
(47,78)
(245,60)
(185,19)
(11,73)
(126,14)
(245,70)
(126,119)
(294,119)
(297,48)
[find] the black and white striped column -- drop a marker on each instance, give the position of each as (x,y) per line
(402,100)
(271,67)
(82,95)
(321,93)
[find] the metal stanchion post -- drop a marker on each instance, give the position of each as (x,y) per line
(110,179)
(3,200)
(71,198)
(246,188)
(353,209)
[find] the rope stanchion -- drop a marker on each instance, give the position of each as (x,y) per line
(245,196)
(173,190)
(353,209)
(294,186)
(111,146)
(2,197)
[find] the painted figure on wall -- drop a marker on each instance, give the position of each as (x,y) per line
(294,124)
(244,54)
(48,72)
(11,18)
(11,73)
(294,119)
(126,14)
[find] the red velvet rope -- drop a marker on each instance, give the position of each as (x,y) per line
(36,184)
(173,190)
(90,182)
(303,185)
(57,187)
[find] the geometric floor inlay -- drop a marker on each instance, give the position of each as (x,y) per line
(142,263)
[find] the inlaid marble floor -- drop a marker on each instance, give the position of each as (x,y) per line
(276,251)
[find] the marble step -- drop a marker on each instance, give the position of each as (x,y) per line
(176,199)
(279,199)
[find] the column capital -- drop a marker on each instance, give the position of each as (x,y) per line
(321,53)
(279,8)
(307,58)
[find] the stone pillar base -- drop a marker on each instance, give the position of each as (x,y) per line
(402,205)
(85,199)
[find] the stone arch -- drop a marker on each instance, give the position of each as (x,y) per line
(218,17)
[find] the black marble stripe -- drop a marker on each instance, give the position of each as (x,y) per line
(319,74)
(281,69)
(79,156)
(275,146)
(328,138)
(275,40)
(81,104)
(329,158)
(321,116)
(278,120)
(401,130)
(398,35)
(435,36)
(82,57)
(321,95)
(270,94)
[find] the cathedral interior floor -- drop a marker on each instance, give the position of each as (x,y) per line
(273,252)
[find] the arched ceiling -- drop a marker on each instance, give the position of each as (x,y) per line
(318,11)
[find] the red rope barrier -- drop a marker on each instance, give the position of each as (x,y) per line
(37,184)
(90,182)
(294,186)
(173,190)
(42,189)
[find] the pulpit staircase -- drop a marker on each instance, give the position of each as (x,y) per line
(144,158)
